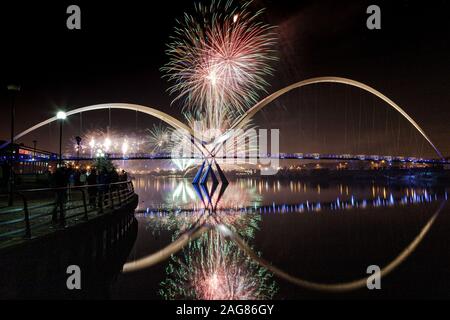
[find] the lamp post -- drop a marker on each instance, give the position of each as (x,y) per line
(61,116)
(34,156)
(78,141)
(13,89)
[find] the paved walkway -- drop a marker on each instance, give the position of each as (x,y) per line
(12,219)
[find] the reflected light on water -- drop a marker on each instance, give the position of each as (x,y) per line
(219,262)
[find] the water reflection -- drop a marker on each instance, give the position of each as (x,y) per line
(172,194)
(191,202)
(337,287)
(178,195)
(214,268)
(245,223)
(211,255)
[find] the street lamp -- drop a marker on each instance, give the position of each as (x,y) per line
(13,89)
(34,156)
(78,141)
(61,116)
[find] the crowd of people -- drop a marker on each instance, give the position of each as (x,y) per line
(75,177)
(97,180)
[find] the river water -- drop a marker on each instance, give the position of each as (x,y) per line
(301,240)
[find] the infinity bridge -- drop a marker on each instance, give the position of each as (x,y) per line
(282,156)
(212,148)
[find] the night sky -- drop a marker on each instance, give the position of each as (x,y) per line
(117,55)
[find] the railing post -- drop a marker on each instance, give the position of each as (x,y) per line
(27,218)
(111,201)
(120,197)
(55,209)
(85,204)
(100,199)
(62,199)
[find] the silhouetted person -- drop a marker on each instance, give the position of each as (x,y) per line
(83,178)
(70,172)
(103,180)
(48,178)
(4,175)
(60,181)
(92,189)
(124,176)
(76,177)
(114,176)
(6,169)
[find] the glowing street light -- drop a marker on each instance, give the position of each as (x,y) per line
(61,115)
(100,154)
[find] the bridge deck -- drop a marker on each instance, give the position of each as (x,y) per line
(280,156)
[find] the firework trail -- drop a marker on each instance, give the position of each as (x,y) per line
(219,57)
(214,268)
(159,137)
(163,139)
(108,142)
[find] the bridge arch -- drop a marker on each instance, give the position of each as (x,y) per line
(353,83)
(173,122)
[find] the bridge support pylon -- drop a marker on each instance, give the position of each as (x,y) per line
(203,175)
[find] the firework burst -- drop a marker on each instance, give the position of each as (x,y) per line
(219,57)
(214,268)
(167,140)
(108,142)
(159,137)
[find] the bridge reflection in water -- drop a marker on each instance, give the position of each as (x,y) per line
(253,239)
(319,239)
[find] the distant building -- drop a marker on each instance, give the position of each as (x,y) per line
(28,160)
(447,166)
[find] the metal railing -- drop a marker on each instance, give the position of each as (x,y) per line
(41,209)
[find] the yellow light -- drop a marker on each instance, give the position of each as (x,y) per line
(107,143)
